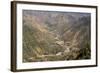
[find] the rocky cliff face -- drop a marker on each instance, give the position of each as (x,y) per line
(52,36)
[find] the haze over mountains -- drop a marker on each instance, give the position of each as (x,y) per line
(55,36)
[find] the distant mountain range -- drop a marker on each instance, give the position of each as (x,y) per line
(54,36)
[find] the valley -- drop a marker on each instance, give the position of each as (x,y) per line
(55,36)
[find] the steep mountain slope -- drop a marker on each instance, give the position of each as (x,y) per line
(37,40)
